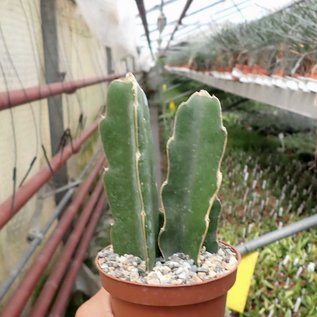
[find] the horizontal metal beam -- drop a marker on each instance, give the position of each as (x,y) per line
(13,98)
(300,102)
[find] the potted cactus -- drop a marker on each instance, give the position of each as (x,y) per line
(165,259)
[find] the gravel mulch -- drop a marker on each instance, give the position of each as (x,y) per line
(178,269)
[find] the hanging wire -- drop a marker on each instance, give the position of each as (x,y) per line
(43,71)
(67,134)
(161,23)
(68,60)
(21,84)
(62,58)
(98,68)
(154,8)
(38,67)
(37,138)
(14,171)
(65,138)
(47,159)
(238,9)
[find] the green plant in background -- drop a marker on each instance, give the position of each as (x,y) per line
(189,196)
(265,188)
(281,41)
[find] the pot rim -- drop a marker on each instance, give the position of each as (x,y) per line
(237,253)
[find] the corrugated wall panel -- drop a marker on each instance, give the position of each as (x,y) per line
(25,128)
(22,129)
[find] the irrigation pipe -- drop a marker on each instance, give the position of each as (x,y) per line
(14,203)
(13,98)
(62,188)
(44,300)
(39,237)
(19,298)
(276,235)
(33,245)
(68,282)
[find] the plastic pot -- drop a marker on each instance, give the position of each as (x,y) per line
(206,299)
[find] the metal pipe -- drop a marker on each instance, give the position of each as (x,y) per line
(156,7)
(38,239)
(13,98)
(33,245)
(61,189)
(18,300)
(142,13)
(179,21)
(44,300)
(204,8)
(276,235)
(12,205)
(68,282)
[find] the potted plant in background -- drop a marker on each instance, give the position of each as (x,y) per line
(164,260)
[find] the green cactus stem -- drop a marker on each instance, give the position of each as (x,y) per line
(195,152)
(130,178)
(211,243)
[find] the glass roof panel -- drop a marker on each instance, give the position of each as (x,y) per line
(201,16)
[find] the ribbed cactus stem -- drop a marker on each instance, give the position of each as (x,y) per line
(194,152)
(130,178)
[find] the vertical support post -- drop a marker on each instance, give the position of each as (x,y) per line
(125,62)
(316,150)
(109,60)
(133,63)
(55,106)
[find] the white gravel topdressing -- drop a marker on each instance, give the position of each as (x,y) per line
(178,269)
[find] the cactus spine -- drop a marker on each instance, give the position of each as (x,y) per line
(194,152)
(130,178)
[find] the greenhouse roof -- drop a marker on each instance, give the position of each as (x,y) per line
(184,18)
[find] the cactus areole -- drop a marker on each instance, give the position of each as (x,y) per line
(189,200)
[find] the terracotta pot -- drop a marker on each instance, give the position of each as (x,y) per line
(246,69)
(206,299)
(279,72)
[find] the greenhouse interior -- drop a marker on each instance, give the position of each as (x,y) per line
(158,158)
